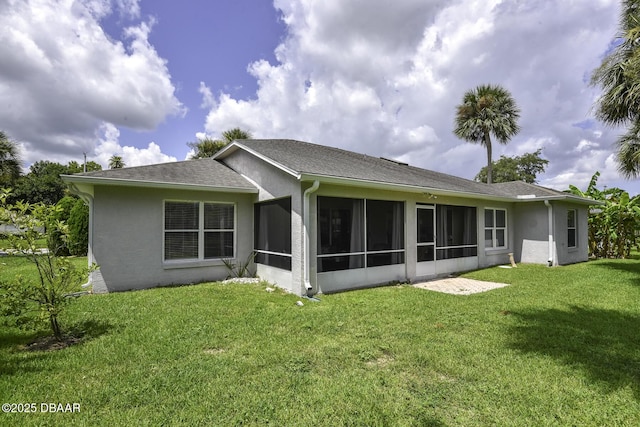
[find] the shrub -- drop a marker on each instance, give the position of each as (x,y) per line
(55,241)
(79,229)
(612,227)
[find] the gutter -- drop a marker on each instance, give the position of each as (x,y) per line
(305,219)
(550,212)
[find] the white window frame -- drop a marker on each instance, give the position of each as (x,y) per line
(574,228)
(201,232)
(494,228)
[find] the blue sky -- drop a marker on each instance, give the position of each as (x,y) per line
(203,41)
(141,78)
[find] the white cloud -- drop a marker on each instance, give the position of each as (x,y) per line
(129,8)
(208,100)
(64,77)
(384,78)
(108,145)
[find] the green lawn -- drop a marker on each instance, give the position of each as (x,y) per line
(561,346)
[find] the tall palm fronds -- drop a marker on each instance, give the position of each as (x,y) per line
(116,162)
(619,78)
(207,147)
(487,110)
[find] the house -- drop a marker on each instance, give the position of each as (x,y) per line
(319,219)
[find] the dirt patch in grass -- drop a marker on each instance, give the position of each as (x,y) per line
(50,343)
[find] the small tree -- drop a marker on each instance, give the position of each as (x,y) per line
(519,168)
(32,301)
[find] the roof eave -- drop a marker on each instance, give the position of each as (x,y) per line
(327,179)
(235,145)
(568,197)
(153,184)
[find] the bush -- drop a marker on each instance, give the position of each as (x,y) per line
(55,241)
(613,228)
(79,229)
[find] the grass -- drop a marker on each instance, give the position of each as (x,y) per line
(4,243)
(561,346)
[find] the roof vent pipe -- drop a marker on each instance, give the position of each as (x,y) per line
(305,220)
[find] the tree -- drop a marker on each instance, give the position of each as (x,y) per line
(207,147)
(619,77)
(43,182)
(612,227)
(519,168)
(628,152)
(10,164)
(235,133)
(487,110)
(75,167)
(25,300)
(116,162)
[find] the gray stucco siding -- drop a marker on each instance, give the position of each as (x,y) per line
(532,233)
(274,183)
(579,253)
(128,237)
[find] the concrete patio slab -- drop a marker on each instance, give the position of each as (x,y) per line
(459,285)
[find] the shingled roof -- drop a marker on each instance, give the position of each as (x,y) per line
(307,160)
(202,173)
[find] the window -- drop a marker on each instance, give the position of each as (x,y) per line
(571,228)
(495,228)
(456,232)
(426,233)
(198,230)
(272,237)
(354,233)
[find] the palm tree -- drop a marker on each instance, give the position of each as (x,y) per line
(116,162)
(235,133)
(628,152)
(486,110)
(207,147)
(10,164)
(619,77)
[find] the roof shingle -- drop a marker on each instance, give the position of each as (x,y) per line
(201,172)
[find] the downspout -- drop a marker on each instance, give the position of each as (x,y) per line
(550,212)
(305,220)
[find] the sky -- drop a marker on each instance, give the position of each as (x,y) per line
(141,78)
